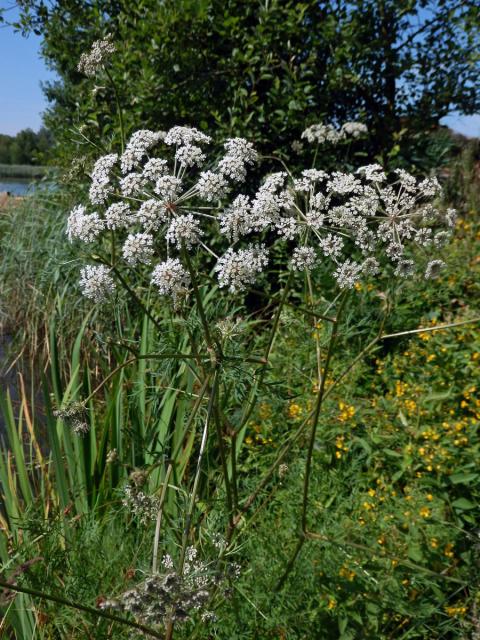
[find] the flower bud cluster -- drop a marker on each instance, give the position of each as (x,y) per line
(92,61)
(171,595)
(141,505)
(73,415)
(328,134)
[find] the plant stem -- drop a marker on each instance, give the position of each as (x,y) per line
(311,445)
(362,547)
(233,455)
(386,336)
(201,310)
(191,507)
(119,109)
(315,329)
(250,405)
(278,313)
(112,243)
(318,407)
(82,607)
(223,459)
(427,329)
(188,520)
(139,302)
(158,524)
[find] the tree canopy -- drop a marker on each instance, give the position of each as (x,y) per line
(265,68)
(27,147)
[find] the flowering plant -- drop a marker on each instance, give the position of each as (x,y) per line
(190,224)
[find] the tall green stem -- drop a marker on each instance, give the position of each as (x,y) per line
(201,310)
(138,300)
(311,445)
(158,524)
(193,495)
(223,459)
(119,109)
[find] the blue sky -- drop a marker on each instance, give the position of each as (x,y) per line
(23,71)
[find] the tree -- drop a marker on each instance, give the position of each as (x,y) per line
(266,68)
(27,147)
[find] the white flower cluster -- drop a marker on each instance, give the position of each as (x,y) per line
(101,50)
(353,129)
(84,226)
(138,248)
(96,282)
(328,134)
(236,269)
(137,148)
(303,258)
(142,506)
(355,224)
(101,178)
(171,278)
(167,595)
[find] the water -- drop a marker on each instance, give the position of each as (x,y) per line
(15,186)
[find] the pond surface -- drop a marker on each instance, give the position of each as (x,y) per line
(16,186)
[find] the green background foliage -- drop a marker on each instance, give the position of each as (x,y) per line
(265,68)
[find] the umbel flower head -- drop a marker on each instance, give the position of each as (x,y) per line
(74,416)
(171,595)
(162,204)
(328,134)
(92,61)
(96,282)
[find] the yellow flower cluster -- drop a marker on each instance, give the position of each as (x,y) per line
(400,388)
(346,573)
(340,446)
(455,611)
(360,287)
(410,406)
(258,439)
(471,402)
(347,411)
(294,411)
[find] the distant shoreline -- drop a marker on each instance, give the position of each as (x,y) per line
(24,171)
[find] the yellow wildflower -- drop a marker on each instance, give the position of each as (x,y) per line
(294,410)
(346,411)
(456,611)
